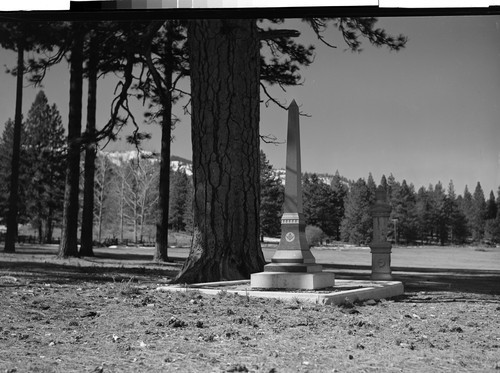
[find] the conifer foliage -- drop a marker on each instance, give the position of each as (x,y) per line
(271,199)
(6,146)
(403,211)
(42,167)
(356,227)
(320,204)
(44,152)
(180,207)
(478,213)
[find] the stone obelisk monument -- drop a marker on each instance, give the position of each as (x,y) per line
(293,265)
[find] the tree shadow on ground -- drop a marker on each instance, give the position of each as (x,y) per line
(67,274)
(460,281)
(457,282)
(39,263)
(126,256)
(121,253)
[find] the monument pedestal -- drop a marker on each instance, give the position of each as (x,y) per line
(293,266)
(292,280)
(381,261)
(380,248)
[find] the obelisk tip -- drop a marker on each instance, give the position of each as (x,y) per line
(293,104)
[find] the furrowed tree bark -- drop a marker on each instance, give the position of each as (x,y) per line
(11,235)
(86,237)
(224,61)
(69,232)
(161,245)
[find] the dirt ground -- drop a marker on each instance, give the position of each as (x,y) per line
(105,315)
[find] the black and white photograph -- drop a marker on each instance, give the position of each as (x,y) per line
(247,187)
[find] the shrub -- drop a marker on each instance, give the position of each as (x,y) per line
(314,235)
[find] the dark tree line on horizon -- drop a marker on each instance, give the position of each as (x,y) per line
(429,215)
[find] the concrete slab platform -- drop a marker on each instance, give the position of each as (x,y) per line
(344,290)
(292,280)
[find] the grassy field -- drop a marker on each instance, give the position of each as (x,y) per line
(453,257)
(103,314)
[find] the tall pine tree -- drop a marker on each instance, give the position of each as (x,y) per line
(478,213)
(6,146)
(45,151)
(69,233)
(179,184)
(320,205)
(467,210)
(491,207)
(403,209)
(356,227)
(423,210)
(340,190)
(496,227)
(456,221)
(226,137)
(384,185)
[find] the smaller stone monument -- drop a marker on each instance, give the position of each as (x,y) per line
(380,247)
(293,265)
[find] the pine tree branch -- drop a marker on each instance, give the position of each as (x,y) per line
(185,107)
(39,68)
(274,34)
(272,99)
(270,139)
(153,28)
(319,26)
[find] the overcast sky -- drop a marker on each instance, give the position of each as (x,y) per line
(428,113)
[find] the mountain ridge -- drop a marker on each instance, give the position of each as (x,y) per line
(176,162)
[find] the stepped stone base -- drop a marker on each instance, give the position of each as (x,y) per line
(292,267)
(292,280)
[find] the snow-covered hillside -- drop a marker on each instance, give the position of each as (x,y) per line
(182,165)
(176,163)
(123,156)
(120,157)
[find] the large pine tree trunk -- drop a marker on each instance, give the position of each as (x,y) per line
(11,235)
(87,235)
(49,227)
(69,233)
(224,62)
(161,246)
(40,232)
